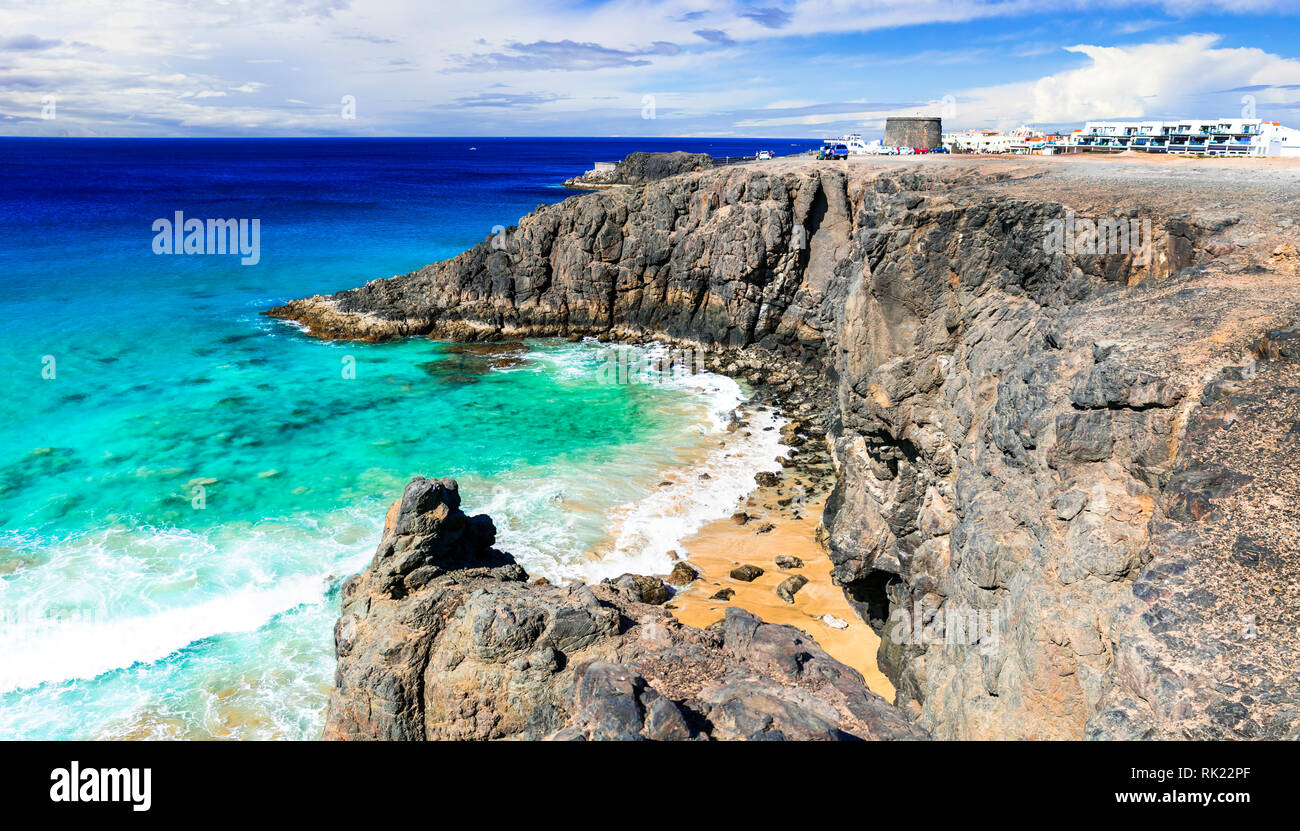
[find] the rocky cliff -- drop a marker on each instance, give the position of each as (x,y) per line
(442,637)
(1064,479)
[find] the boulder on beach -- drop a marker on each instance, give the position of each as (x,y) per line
(643,589)
(682,574)
(746,573)
(790,586)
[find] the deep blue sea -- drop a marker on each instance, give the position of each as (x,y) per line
(184,482)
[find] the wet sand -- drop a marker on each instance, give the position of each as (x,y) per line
(722,545)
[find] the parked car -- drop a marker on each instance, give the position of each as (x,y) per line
(763,155)
(834,151)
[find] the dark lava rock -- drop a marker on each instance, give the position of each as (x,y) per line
(723,594)
(640,168)
(740,517)
(682,574)
(644,589)
(787,561)
(746,573)
(789,586)
(470,650)
(766,479)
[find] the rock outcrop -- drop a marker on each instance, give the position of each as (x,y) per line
(1042,498)
(442,637)
(639,168)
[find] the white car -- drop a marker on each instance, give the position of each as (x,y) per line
(763,155)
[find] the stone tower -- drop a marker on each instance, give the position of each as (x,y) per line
(919,131)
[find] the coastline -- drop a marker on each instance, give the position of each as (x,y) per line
(1008,424)
(819,608)
(778,516)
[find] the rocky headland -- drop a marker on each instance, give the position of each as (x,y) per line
(639,168)
(1091,456)
(444,637)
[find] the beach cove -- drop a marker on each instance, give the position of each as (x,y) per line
(191,481)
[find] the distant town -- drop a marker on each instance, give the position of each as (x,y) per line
(1252,137)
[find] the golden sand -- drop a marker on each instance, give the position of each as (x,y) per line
(722,545)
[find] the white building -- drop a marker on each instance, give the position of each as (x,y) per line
(977,141)
(1218,137)
(1023,140)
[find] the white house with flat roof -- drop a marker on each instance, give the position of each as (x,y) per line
(1215,137)
(977,141)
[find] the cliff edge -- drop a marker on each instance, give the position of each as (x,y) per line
(1065,489)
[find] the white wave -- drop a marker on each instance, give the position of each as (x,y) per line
(649,528)
(111,598)
(83,647)
(531,512)
(145,593)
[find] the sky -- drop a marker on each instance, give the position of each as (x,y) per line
(770,68)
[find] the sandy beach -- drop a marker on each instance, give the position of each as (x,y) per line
(773,530)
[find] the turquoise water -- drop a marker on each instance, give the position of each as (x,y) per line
(184,482)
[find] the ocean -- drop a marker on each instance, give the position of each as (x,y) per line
(185,482)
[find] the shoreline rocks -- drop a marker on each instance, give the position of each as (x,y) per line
(682,574)
(746,573)
(790,586)
(443,637)
(1008,426)
(640,168)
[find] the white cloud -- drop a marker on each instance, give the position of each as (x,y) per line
(168,67)
(1175,78)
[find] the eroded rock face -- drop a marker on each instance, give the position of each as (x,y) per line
(1012,428)
(442,637)
(1207,639)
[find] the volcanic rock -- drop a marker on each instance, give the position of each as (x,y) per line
(442,637)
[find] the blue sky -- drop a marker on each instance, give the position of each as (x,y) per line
(808,68)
